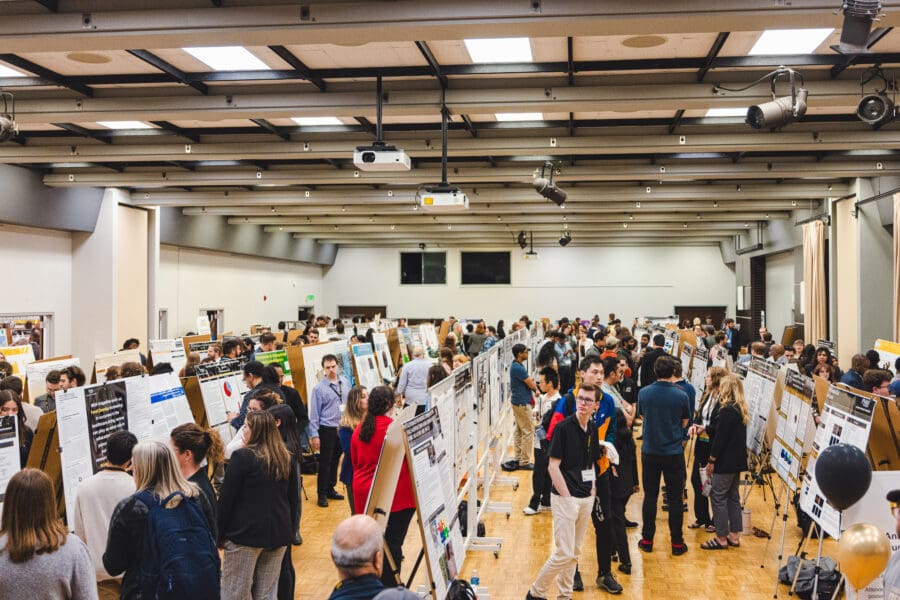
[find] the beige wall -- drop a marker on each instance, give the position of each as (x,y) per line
(846,253)
(131,267)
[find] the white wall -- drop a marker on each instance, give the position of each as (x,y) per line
(192,279)
(779,293)
(40,262)
(579,282)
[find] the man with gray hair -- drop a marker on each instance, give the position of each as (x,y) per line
(413,385)
(356,552)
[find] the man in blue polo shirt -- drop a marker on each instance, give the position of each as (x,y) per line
(521,386)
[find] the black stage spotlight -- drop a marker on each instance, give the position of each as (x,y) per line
(565,238)
(876,109)
(858,17)
(779,111)
(544,186)
(522,240)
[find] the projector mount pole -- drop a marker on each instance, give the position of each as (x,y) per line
(379,141)
(445,115)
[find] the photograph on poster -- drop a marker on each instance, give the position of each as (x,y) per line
(364,359)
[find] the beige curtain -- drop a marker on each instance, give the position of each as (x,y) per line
(896,267)
(815,311)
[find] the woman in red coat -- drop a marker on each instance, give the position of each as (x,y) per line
(365,448)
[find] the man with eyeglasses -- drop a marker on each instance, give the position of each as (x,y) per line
(892,572)
(574,449)
(878,382)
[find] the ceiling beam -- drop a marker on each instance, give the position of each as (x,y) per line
(175,130)
(265,125)
(299,67)
(169,69)
(83,132)
(712,54)
(432,63)
(51,5)
(56,78)
(875,36)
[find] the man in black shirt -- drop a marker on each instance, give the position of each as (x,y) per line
(573,451)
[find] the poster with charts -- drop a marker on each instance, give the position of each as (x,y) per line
(465,417)
(494,389)
(278,357)
(222,389)
(366,367)
(441,397)
(795,428)
(168,405)
(19,357)
(36,374)
(759,391)
(845,419)
(429,461)
(698,371)
(383,357)
(169,351)
(9,451)
(481,381)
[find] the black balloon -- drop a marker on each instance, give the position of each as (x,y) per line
(843,474)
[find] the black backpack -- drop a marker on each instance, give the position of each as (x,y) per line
(180,560)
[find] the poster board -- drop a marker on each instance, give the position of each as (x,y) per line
(481,380)
(888,353)
(884,439)
(298,369)
(44,455)
(687,357)
(428,458)
(167,351)
(279,357)
(169,406)
(367,371)
(759,391)
(36,374)
(698,372)
(221,390)
(9,451)
(444,330)
(464,418)
(19,357)
(383,357)
(104,361)
(293,335)
(203,327)
(312,361)
(201,348)
(345,361)
(195,339)
(671,341)
(845,419)
(429,338)
(795,428)
(405,340)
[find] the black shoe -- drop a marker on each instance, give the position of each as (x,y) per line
(526,467)
(608,582)
(510,465)
(298,539)
(529,596)
(631,523)
(679,549)
(333,495)
(323,501)
(577,584)
(625,568)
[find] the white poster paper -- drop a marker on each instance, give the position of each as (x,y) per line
(9,451)
(36,374)
(795,428)
(169,351)
(168,405)
(19,357)
(104,361)
(759,390)
(366,367)
(383,357)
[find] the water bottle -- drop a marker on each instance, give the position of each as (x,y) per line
(475,580)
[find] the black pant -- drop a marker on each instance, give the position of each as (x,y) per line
(603,532)
(672,470)
(701,502)
(394,535)
(349,491)
(566,378)
(329,459)
(540,480)
(620,534)
(287,579)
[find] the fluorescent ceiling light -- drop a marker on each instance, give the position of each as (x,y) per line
(520,116)
(228,58)
(8,72)
(727,112)
(789,41)
(124,124)
(316,121)
(499,50)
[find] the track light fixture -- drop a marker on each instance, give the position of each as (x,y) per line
(778,112)
(877,109)
(565,238)
(8,127)
(544,185)
(858,18)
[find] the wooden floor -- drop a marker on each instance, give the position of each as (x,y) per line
(734,573)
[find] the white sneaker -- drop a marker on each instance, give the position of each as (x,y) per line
(529,511)
(543,508)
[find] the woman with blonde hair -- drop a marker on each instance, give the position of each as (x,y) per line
(160,485)
(459,360)
(354,413)
(727,460)
(38,557)
(708,402)
(257,508)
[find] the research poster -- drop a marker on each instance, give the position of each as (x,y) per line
(383,357)
(203,326)
(169,351)
(104,361)
(846,419)
(428,337)
(278,357)
(795,428)
(759,391)
(671,343)
(19,357)
(9,452)
(481,365)
(345,361)
(366,367)
(222,389)
(687,355)
(403,339)
(888,353)
(168,405)
(432,476)
(698,371)
(494,388)
(36,374)
(465,417)
(312,363)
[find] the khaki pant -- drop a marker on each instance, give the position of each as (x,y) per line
(524,433)
(109,589)
(571,517)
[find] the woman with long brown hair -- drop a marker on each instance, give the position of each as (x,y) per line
(365,450)
(257,505)
(354,413)
(192,446)
(38,557)
(708,402)
(727,460)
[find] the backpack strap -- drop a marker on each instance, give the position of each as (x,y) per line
(165,501)
(147,498)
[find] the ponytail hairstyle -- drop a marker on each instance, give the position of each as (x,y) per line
(381,400)
(270,375)
(203,443)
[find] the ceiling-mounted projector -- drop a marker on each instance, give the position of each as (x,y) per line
(442,196)
(380,157)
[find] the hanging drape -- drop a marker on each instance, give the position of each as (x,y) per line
(815,321)
(896,283)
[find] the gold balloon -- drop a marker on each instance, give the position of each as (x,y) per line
(863,551)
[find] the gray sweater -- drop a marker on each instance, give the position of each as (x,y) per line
(67,574)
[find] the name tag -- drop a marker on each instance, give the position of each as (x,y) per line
(588,475)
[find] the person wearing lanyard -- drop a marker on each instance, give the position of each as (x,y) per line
(708,402)
(325,406)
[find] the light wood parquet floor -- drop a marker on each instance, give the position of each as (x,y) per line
(734,573)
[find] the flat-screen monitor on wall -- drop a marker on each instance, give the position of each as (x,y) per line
(490,268)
